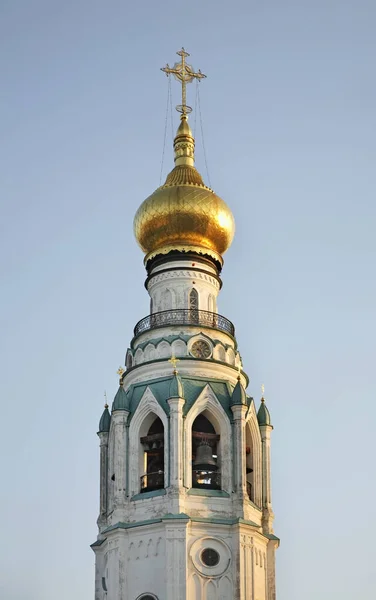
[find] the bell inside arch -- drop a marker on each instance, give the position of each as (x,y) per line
(204,457)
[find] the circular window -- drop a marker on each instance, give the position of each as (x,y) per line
(200,349)
(210,557)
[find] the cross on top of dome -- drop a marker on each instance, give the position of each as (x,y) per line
(185,74)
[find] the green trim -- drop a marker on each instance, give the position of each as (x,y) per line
(177,517)
(246,522)
(167,338)
(185,517)
(204,492)
(190,325)
(151,494)
(207,360)
(224,521)
(214,520)
(98,543)
(192,387)
(271,536)
(255,505)
(121,525)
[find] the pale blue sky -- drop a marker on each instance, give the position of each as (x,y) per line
(289,120)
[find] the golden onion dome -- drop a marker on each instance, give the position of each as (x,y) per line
(184,214)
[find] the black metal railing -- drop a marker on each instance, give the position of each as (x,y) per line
(184,316)
(152,481)
(209,480)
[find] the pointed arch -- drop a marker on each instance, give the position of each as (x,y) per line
(179,348)
(230,356)
(193,299)
(163,349)
(149,352)
(225,588)
(159,546)
(129,359)
(139,356)
(211,303)
(140,549)
(254,459)
(219,353)
(210,590)
(195,587)
(208,404)
(147,410)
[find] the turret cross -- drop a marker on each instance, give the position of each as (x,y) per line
(174,361)
(185,74)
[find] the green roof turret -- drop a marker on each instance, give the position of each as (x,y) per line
(238,395)
(263,415)
(121,401)
(176,386)
(105,422)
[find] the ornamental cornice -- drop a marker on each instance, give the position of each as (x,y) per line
(182,273)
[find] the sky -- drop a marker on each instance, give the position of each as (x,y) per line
(288,115)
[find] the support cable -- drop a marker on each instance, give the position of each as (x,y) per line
(195,109)
(202,136)
(172,120)
(165,130)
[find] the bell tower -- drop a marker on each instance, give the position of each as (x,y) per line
(185,484)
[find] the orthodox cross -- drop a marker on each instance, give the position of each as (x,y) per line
(185,74)
(174,361)
(262,392)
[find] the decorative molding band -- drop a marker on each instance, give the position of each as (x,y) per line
(182,273)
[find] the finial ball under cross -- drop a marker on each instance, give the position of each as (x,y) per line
(185,74)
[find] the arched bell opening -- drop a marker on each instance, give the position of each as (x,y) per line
(249,464)
(152,454)
(206,472)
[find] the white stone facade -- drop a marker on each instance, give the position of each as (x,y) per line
(151,545)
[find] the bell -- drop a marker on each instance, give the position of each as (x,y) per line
(204,457)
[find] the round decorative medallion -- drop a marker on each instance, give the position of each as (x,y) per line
(200,349)
(210,557)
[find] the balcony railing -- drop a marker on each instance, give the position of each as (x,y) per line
(152,481)
(184,316)
(210,480)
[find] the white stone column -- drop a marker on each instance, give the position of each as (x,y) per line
(176,442)
(270,570)
(240,485)
(119,431)
(268,515)
(103,441)
(176,558)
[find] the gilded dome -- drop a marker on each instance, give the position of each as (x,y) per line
(184,214)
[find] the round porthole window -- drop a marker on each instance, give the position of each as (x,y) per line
(210,557)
